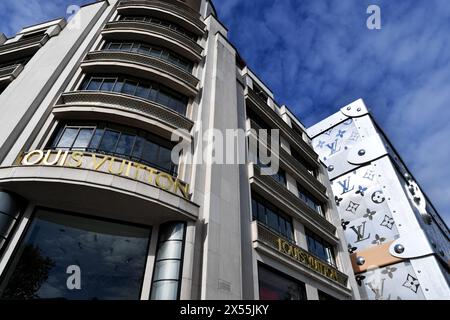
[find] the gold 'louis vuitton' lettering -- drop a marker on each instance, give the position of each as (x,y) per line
(107,164)
(307,259)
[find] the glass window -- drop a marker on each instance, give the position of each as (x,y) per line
(141,88)
(126,46)
(163,23)
(67,138)
(95,142)
(105,259)
(143,91)
(138,147)
(254,209)
(125,144)
(109,141)
(156,52)
(113,46)
(272,217)
(308,199)
(129,87)
(144,49)
(272,220)
(83,138)
(108,84)
(320,248)
(94,84)
(274,285)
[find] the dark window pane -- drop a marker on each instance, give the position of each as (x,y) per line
(110,257)
(150,154)
(108,84)
(156,52)
(129,87)
(289,229)
(165,158)
(283,227)
(254,209)
(67,138)
(94,84)
(163,98)
(272,220)
(96,139)
(262,213)
(153,94)
(135,47)
(113,46)
(126,46)
(118,86)
(138,147)
(144,49)
(83,139)
(125,145)
(277,286)
(109,141)
(143,91)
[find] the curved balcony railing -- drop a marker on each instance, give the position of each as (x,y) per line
(23,47)
(9,73)
(124,102)
(178,9)
(148,61)
(185,43)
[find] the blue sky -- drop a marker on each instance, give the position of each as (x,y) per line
(318,55)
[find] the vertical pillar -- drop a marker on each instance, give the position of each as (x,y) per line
(9,214)
(168,263)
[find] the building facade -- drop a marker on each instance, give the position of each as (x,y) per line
(398,243)
(91,205)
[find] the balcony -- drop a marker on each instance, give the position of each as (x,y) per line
(158,35)
(288,253)
(22,48)
(281,197)
(276,122)
(114,104)
(297,170)
(185,16)
(8,74)
(144,66)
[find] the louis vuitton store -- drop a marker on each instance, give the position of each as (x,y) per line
(58,254)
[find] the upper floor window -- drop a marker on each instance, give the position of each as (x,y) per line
(309,200)
(162,23)
(297,156)
(116,140)
(320,248)
(10,63)
(261,123)
(138,88)
(280,176)
(272,217)
(260,92)
(150,50)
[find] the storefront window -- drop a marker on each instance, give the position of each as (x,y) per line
(72,257)
(276,286)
